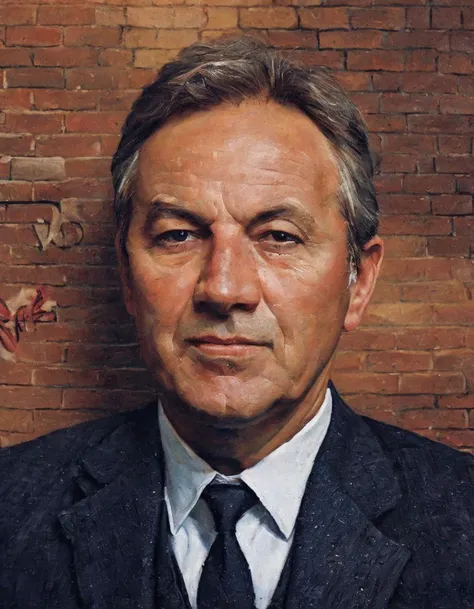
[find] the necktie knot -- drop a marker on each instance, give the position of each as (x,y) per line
(228,503)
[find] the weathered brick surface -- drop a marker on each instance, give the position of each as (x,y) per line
(69,73)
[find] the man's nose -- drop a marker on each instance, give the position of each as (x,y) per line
(229,277)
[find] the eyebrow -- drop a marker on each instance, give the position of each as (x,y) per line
(161,209)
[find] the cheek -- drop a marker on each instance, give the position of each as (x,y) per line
(161,295)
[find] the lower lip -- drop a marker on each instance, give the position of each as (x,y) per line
(222,350)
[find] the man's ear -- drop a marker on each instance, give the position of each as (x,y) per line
(125,274)
(362,288)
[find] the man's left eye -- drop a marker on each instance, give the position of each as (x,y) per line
(279,236)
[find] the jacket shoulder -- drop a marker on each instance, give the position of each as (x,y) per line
(28,467)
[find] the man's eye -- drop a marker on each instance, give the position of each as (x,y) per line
(173,237)
(279,236)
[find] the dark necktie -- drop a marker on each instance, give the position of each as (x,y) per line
(226,582)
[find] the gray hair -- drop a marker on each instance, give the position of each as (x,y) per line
(205,75)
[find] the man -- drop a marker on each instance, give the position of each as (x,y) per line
(247,244)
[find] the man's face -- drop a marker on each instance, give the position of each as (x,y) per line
(238,267)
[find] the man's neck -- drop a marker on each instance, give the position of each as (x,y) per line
(233,448)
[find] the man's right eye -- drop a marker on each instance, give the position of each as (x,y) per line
(174,238)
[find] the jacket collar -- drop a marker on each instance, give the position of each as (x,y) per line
(339,558)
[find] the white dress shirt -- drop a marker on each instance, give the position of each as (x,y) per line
(265,532)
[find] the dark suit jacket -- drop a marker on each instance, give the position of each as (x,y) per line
(386,520)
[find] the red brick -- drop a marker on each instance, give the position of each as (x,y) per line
(434,291)
(96,78)
(457,104)
(418,39)
(407,144)
(17,15)
(13,373)
(455,164)
(362,39)
(50,420)
(109,144)
(15,57)
(16,145)
(372,403)
(438,383)
(94,122)
(354,81)
(110,15)
(391,61)
(463,41)
(457,401)
(449,246)
(34,122)
(60,56)
(403,247)
(31,169)
(410,104)
(421,61)
(293,39)
(98,36)
(366,102)
(88,188)
(438,124)
(386,82)
(116,100)
(468,18)
(116,57)
(445,18)
(67,145)
(16,420)
(152,59)
(40,353)
(430,338)
(455,63)
(433,83)
(454,144)
(115,400)
(333,60)
(465,84)
(380,19)
(465,184)
(433,419)
(463,270)
(65,100)
(457,439)
(388,183)
(16,99)
(33,36)
(189,17)
(455,359)
(398,361)
(386,292)
(42,78)
(415,225)
(352,382)
(65,15)
(92,168)
(403,204)
(176,39)
(276,17)
(398,314)
(418,17)
(150,17)
(368,340)
(459,314)
(222,18)
(386,123)
(324,18)
(136,38)
(429,183)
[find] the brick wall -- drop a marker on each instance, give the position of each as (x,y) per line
(69,72)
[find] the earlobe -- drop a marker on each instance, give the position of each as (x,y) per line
(362,289)
(125,276)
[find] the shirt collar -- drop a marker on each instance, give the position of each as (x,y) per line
(278,480)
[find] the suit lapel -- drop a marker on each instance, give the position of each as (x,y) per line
(340,560)
(114,529)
